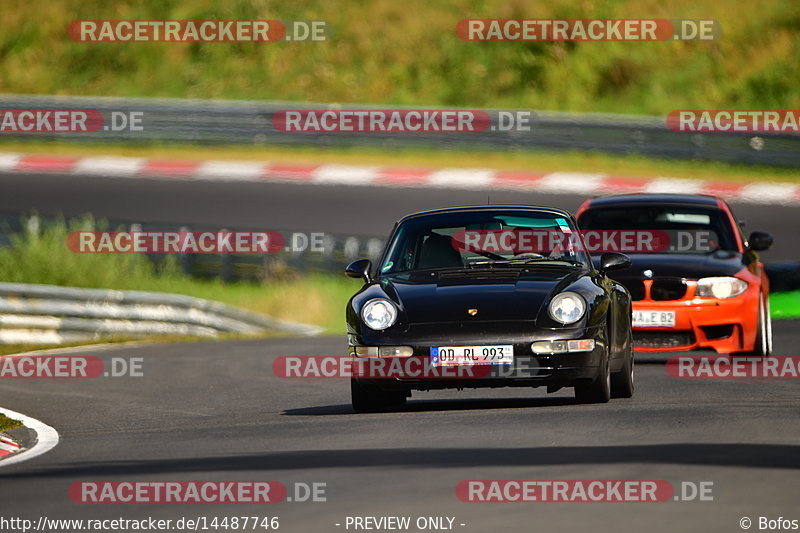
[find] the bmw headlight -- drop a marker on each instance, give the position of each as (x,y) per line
(379,313)
(720,287)
(567,307)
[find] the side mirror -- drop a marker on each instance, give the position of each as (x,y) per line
(759,241)
(614,261)
(359,269)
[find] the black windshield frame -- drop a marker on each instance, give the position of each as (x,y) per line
(443,219)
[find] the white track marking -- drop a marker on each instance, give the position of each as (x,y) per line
(9,162)
(109,166)
(769,193)
(345,174)
(231,170)
(674,185)
(461,178)
(571,182)
(582,183)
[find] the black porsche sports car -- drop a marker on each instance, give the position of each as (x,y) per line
(471,287)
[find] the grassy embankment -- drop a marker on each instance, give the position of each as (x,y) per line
(390,53)
(407,53)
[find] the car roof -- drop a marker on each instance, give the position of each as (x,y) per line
(479,208)
(654,198)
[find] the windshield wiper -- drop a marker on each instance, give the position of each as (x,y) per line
(491,255)
(545,260)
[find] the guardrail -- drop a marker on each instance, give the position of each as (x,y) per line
(251,122)
(48,314)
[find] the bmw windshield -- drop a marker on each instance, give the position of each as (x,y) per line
(684,229)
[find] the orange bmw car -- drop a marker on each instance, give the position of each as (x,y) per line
(696,282)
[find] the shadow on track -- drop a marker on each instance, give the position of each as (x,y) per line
(442,405)
(727,455)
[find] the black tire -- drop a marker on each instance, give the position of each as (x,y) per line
(763,344)
(623,383)
(599,390)
(371,400)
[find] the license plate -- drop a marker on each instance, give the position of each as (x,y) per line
(653,319)
(472,355)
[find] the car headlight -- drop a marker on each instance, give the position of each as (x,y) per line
(567,307)
(720,287)
(379,313)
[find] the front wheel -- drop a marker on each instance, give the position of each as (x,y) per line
(599,390)
(622,382)
(763,345)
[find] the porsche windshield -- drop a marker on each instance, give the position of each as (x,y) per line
(452,240)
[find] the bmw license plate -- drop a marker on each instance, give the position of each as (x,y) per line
(653,319)
(472,355)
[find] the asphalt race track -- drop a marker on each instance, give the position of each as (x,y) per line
(215,411)
(356,210)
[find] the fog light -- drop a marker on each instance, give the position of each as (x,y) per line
(383,351)
(395,351)
(542,347)
(554,347)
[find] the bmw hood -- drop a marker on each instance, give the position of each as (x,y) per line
(688,266)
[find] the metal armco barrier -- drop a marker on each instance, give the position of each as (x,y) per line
(251,123)
(48,314)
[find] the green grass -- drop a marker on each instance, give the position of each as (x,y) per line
(388,52)
(8,423)
(785,304)
(43,257)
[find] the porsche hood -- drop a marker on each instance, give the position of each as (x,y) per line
(475,297)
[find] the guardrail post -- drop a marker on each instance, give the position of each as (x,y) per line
(186,260)
(226,268)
